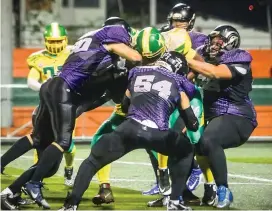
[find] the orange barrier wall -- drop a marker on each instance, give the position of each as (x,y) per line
(89,122)
(261,65)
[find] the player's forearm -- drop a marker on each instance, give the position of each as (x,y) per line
(191,76)
(206,69)
(189,119)
(34,84)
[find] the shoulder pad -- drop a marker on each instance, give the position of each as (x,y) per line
(32,58)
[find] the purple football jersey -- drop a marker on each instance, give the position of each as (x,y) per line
(89,58)
(231,96)
(155,94)
(197,38)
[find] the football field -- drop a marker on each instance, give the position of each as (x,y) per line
(249,167)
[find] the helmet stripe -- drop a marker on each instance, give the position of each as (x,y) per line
(145,40)
(55,29)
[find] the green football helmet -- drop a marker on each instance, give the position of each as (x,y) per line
(55,38)
(150,44)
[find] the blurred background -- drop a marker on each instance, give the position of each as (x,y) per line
(22,26)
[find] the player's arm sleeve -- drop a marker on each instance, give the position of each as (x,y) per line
(126,102)
(187,113)
(188,51)
(238,70)
(117,35)
(33,79)
(187,86)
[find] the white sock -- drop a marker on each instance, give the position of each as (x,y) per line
(7,191)
(163,168)
(175,202)
(210,183)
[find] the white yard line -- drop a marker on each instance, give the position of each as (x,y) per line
(149,164)
(145,180)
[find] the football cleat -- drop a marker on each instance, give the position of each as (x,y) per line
(66,206)
(225,197)
(68,177)
(7,202)
(210,196)
(163,201)
(153,191)
(190,198)
(195,179)
(164,182)
(33,189)
(180,206)
(104,196)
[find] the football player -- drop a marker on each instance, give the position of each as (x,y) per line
(151,89)
(183,16)
(45,64)
(229,113)
(84,76)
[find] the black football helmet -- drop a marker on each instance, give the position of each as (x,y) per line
(175,62)
(228,34)
(184,13)
(117,21)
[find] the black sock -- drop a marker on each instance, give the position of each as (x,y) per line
(84,176)
(179,171)
(19,148)
(16,186)
(49,158)
(154,163)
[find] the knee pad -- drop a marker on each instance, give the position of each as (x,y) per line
(205,145)
(92,159)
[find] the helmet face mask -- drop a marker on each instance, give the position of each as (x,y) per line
(222,38)
(55,37)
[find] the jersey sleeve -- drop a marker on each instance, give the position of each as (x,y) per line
(34,72)
(179,40)
(131,74)
(238,70)
(186,86)
(117,34)
(188,51)
(32,60)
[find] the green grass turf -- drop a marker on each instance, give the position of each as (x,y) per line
(55,192)
(256,160)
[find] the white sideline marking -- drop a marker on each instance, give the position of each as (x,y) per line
(250,178)
(149,164)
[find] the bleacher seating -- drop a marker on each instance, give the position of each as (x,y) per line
(251,38)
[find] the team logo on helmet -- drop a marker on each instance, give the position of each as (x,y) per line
(150,43)
(229,39)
